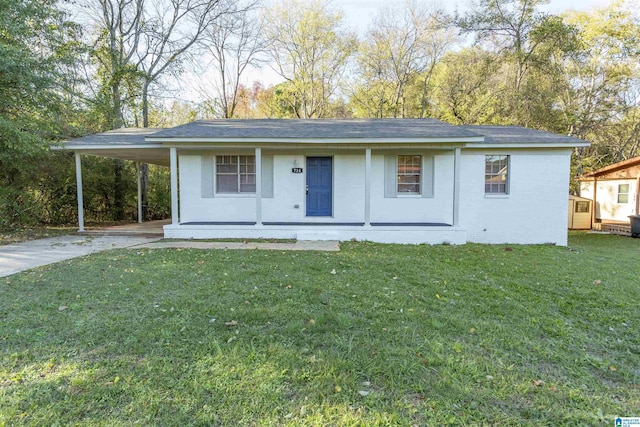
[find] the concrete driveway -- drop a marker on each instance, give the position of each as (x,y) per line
(35,253)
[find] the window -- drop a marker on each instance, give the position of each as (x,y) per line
(235,174)
(623,193)
(409,174)
(582,207)
(496,175)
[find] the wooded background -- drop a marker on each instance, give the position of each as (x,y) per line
(68,69)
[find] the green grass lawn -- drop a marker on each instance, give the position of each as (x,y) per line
(372,335)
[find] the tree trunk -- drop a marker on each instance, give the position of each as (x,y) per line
(118,165)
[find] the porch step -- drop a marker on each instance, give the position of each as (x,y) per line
(122,233)
(318,235)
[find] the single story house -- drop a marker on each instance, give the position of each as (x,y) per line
(614,190)
(383,180)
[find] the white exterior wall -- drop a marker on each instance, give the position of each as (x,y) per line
(223,207)
(289,190)
(436,209)
(534,211)
(607,206)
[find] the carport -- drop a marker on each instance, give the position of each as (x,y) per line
(124,144)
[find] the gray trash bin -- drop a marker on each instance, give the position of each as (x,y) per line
(635,225)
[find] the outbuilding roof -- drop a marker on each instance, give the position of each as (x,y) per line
(615,167)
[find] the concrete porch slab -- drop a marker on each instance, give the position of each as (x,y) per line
(148,228)
(306,245)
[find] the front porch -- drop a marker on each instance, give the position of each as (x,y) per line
(409,233)
(363,207)
(144,229)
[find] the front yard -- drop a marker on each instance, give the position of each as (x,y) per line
(372,335)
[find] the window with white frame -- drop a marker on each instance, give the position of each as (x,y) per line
(623,193)
(409,172)
(496,175)
(235,174)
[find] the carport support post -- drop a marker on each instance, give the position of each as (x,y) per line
(173,162)
(79,189)
(139,193)
(456,186)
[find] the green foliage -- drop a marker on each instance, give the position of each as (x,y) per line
(398,56)
(601,101)
(574,74)
(468,90)
(35,42)
(159,197)
(399,335)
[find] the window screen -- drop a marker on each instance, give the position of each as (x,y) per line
(496,175)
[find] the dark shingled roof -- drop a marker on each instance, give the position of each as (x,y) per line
(293,130)
(123,136)
(287,129)
(518,134)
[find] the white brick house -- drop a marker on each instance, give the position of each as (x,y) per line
(386,180)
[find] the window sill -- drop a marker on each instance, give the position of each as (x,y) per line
(236,195)
(496,196)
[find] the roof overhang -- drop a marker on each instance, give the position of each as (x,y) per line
(529,145)
(154,156)
(611,169)
(177,141)
(124,144)
(152,145)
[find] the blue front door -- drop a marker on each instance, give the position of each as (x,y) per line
(319,197)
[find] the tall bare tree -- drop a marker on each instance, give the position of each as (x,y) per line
(235,44)
(172,28)
(119,29)
(403,43)
(309,50)
(140,41)
(119,25)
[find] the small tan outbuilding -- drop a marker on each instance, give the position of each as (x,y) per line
(579,213)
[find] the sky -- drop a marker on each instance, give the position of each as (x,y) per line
(358,13)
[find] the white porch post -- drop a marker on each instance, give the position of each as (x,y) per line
(367,187)
(258,186)
(79,190)
(139,193)
(595,202)
(456,186)
(173,159)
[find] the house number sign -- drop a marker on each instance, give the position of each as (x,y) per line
(296,170)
